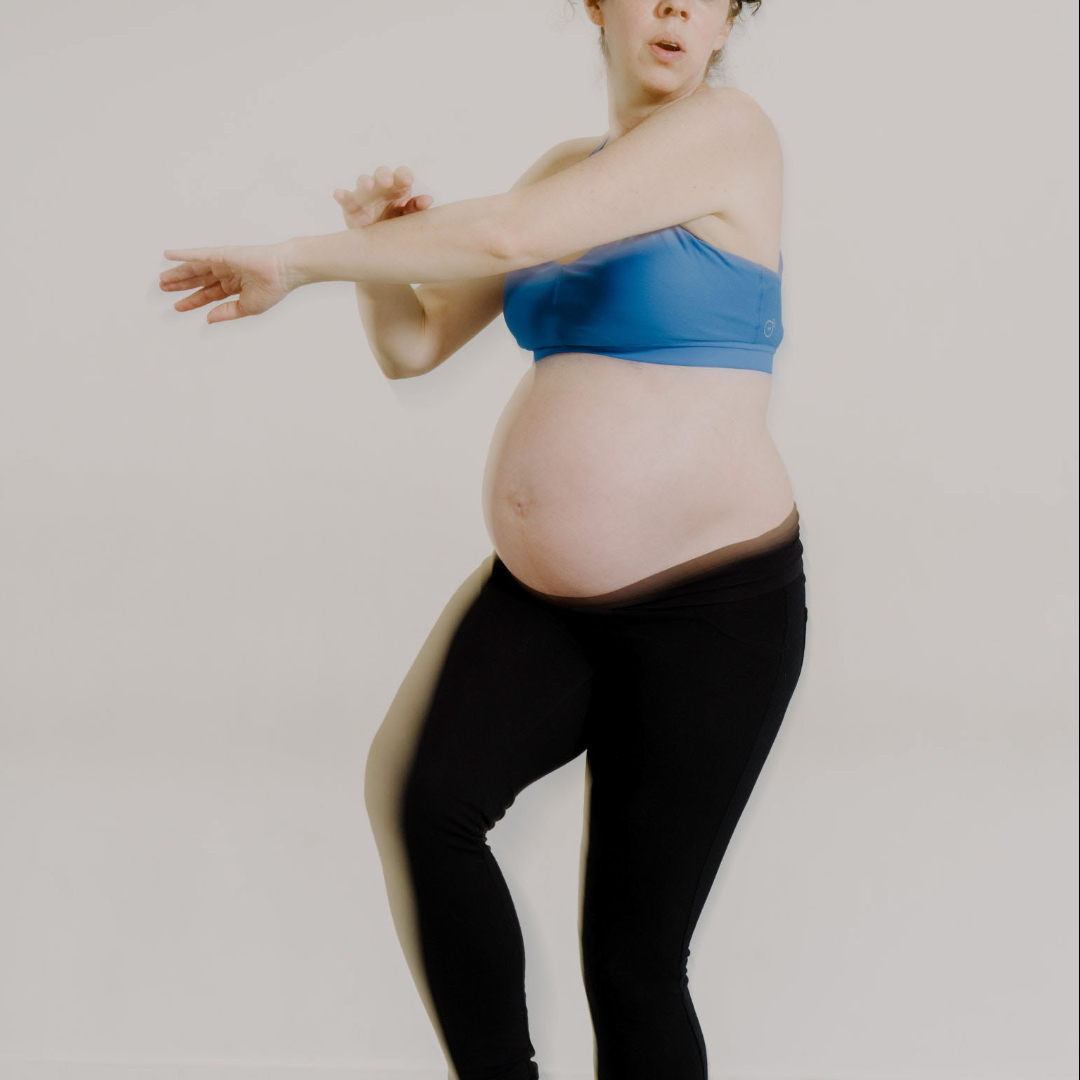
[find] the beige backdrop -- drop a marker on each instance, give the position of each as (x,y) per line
(222,548)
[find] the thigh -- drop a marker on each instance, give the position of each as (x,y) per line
(686,706)
(509,704)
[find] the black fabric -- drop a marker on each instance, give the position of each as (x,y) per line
(676,699)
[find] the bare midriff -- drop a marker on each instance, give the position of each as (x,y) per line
(604,474)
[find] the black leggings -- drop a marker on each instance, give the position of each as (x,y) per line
(675,692)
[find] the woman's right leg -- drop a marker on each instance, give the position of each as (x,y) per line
(509,706)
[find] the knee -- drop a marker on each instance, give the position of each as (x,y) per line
(626,961)
(436,811)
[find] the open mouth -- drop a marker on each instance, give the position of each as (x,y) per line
(665,49)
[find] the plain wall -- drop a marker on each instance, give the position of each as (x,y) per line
(222,547)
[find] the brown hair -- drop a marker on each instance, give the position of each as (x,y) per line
(734,11)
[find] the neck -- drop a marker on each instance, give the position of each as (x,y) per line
(623,116)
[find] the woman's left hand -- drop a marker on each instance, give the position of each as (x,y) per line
(258,273)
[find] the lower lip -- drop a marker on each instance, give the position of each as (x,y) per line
(665,54)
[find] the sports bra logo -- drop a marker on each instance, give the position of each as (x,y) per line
(770,326)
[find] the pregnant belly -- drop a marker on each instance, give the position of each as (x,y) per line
(603,471)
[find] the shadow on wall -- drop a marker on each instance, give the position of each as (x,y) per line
(389,757)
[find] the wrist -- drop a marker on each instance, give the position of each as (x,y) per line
(292,255)
(334,256)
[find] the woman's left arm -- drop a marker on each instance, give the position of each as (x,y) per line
(682,162)
(693,157)
(444,243)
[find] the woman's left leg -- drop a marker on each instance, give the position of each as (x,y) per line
(686,706)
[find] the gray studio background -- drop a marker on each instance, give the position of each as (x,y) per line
(222,546)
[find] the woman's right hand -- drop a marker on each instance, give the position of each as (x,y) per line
(380,197)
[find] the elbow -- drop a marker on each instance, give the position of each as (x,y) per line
(395,372)
(504,240)
(391,368)
(406,368)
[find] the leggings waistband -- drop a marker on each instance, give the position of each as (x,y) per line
(732,572)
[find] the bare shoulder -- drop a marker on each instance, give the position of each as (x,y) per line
(755,158)
(748,223)
(740,110)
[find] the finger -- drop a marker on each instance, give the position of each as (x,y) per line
(201,298)
(185,271)
(187,283)
(413,206)
(181,273)
(396,183)
(194,254)
(225,312)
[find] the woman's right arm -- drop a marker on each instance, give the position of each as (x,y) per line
(413,329)
(396,327)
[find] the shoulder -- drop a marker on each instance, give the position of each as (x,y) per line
(736,110)
(749,139)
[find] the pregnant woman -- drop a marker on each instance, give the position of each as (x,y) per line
(645,599)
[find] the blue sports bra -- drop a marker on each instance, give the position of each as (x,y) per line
(662,297)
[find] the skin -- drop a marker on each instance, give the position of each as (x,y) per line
(636,82)
(558,500)
(601,471)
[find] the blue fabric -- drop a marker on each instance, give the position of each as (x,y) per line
(662,297)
